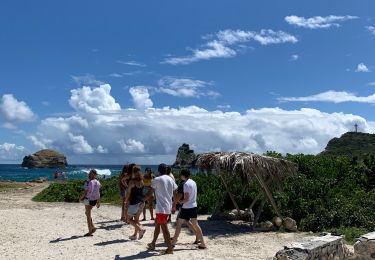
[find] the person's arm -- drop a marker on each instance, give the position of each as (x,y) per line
(148,195)
(185,199)
(84,193)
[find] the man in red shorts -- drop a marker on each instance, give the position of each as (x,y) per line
(164,188)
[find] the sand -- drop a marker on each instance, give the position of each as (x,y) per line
(31,230)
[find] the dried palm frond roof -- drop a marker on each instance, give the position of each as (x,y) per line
(247,165)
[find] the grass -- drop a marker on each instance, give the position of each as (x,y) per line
(350,233)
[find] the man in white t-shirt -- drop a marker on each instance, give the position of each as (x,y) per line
(189,210)
(164,188)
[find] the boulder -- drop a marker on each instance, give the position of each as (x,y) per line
(277,221)
(364,248)
(290,224)
(185,158)
(46,158)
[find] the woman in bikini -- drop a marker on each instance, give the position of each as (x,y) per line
(135,200)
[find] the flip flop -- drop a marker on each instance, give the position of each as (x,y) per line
(196,242)
(87,235)
(141,234)
(202,247)
(165,252)
(150,246)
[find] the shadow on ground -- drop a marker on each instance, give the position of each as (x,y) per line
(65,239)
(111,242)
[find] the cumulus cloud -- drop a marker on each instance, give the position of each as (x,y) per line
(131,63)
(371,29)
(361,67)
(14,111)
(93,100)
(141,97)
(11,152)
(318,22)
(225,44)
(334,97)
(132,146)
(185,87)
(152,135)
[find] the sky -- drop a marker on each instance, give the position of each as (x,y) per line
(109,82)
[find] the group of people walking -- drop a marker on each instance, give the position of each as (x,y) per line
(138,193)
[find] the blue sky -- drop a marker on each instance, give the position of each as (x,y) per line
(249,65)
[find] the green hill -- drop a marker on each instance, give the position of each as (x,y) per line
(351,144)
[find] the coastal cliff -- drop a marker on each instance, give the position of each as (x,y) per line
(185,158)
(351,144)
(46,158)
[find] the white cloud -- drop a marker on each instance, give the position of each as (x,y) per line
(294,57)
(334,97)
(11,152)
(153,135)
(88,80)
(79,145)
(116,75)
(361,67)
(224,44)
(14,111)
(185,87)
(224,107)
(371,29)
(318,22)
(132,146)
(101,149)
(131,63)
(141,97)
(93,100)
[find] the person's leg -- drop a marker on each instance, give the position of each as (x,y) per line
(192,228)
(151,207)
(167,238)
(123,216)
(198,229)
(155,237)
(88,218)
(144,214)
(180,222)
(134,224)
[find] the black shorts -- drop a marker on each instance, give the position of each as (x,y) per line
(92,202)
(187,214)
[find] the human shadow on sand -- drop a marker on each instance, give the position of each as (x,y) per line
(147,254)
(111,242)
(108,221)
(65,239)
(111,227)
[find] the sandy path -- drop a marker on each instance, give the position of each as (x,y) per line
(32,230)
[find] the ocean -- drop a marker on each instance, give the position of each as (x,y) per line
(14,172)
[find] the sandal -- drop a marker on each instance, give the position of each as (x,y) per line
(165,252)
(150,246)
(196,242)
(141,234)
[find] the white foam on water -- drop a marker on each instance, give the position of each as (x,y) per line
(106,172)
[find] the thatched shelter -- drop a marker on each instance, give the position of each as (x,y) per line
(267,171)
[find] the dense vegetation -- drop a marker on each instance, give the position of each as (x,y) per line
(351,144)
(325,194)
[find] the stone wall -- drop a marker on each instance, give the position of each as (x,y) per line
(364,248)
(323,247)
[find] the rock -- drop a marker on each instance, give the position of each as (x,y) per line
(249,215)
(364,248)
(185,158)
(40,180)
(277,221)
(265,226)
(46,158)
(290,224)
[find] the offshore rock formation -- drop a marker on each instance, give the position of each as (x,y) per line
(185,158)
(46,158)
